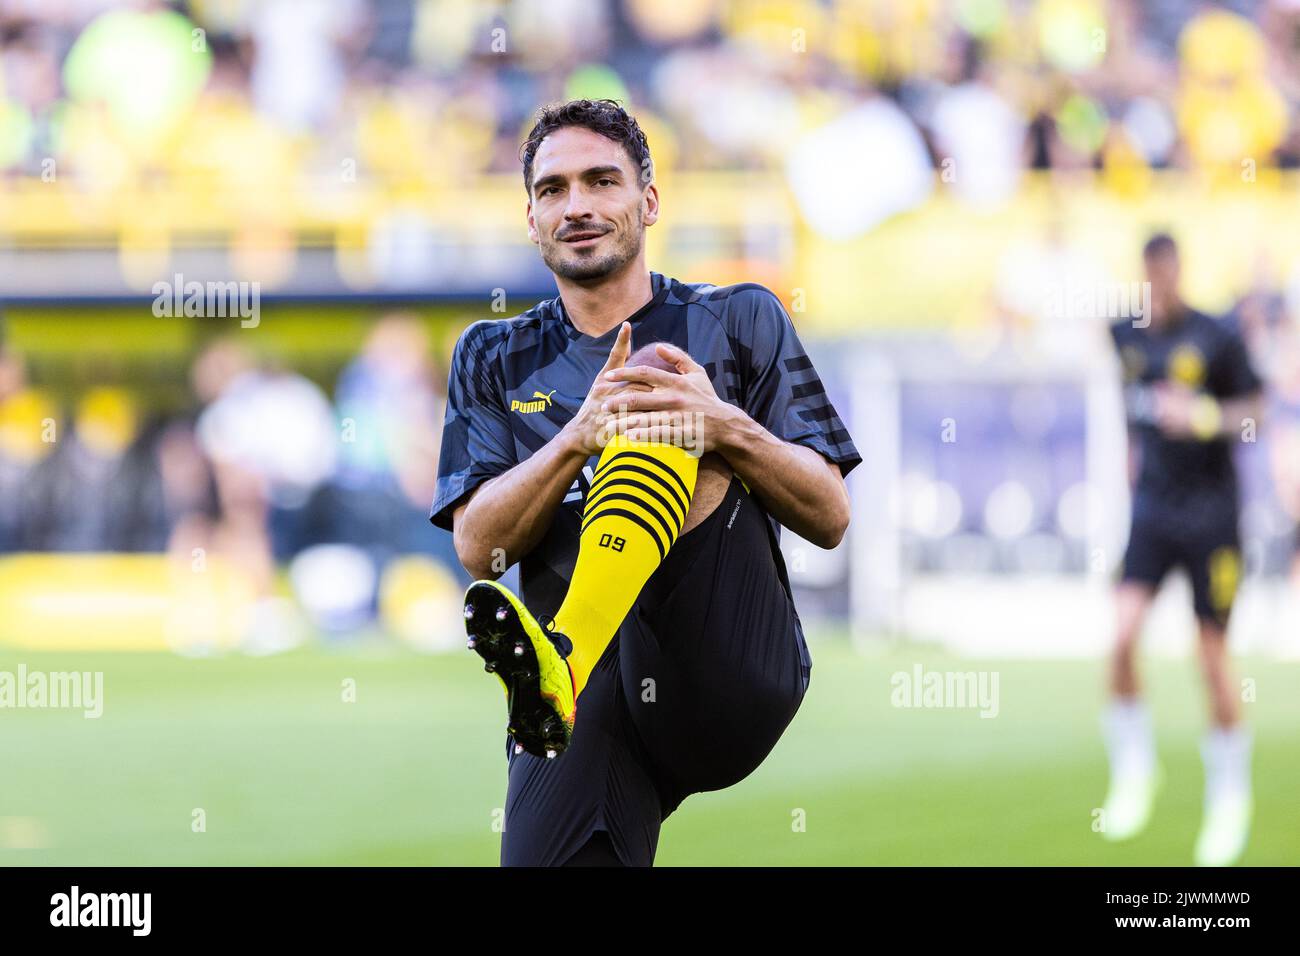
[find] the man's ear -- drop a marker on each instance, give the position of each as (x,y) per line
(532,225)
(651,200)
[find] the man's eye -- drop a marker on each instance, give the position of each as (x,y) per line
(604,180)
(550,189)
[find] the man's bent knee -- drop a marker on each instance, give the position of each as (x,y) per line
(711,484)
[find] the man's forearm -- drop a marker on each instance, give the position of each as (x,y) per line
(799,487)
(507,516)
(1228,418)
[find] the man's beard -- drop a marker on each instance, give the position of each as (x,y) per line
(586,268)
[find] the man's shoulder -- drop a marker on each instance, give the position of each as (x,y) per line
(738,295)
(485,336)
(740,308)
(1220,329)
(1123,330)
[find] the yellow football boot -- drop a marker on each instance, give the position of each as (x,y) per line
(526,659)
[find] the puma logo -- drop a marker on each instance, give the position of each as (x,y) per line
(527,408)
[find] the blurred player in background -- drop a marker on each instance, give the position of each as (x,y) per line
(656,652)
(1190,391)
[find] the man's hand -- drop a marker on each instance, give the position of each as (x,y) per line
(506,517)
(588,431)
(678,403)
(1173,409)
(1182,413)
(799,487)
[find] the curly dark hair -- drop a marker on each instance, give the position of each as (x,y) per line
(1160,244)
(605,117)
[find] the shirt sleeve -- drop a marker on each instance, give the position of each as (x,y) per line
(1116,330)
(782,391)
(477,443)
(1235,377)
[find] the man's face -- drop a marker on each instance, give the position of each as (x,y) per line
(589,206)
(1162,273)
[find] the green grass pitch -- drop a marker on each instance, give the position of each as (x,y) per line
(413,772)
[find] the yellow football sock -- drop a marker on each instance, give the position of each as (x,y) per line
(640,494)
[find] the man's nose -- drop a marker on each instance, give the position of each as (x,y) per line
(578,206)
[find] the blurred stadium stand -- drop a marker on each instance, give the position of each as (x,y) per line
(941,191)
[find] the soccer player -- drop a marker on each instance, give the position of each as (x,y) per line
(1190,392)
(655,650)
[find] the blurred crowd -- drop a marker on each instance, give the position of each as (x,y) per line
(864,106)
(263,471)
(428,92)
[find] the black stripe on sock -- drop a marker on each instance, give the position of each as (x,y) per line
(636,483)
(604,468)
(636,519)
(627,470)
(636,454)
(640,503)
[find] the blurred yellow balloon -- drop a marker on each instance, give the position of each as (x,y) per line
(419,600)
(29,426)
(106,420)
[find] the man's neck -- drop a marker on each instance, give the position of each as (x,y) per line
(595,309)
(1171,316)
